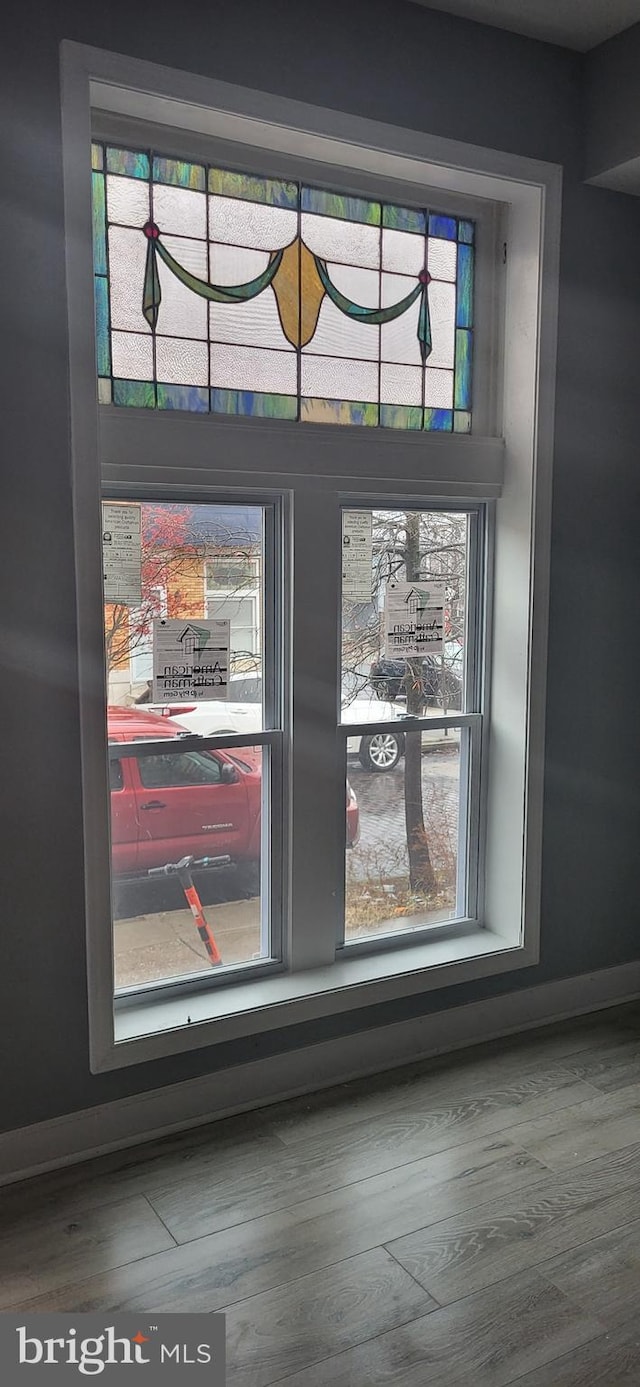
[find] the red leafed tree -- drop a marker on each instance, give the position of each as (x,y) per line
(168,556)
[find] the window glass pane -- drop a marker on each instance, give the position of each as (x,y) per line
(384,676)
(241,294)
(406,869)
(177,647)
(185,821)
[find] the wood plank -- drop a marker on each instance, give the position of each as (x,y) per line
(613,1361)
(465,1253)
(288,1329)
(295,1242)
(445,1082)
(582,1132)
(486,1340)
(603,1275)
(40,1255)
(213,1154)
(608,1067)
(464,1175)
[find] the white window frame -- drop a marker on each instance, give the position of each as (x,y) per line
(508,457)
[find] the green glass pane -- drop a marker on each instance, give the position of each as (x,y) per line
(445,227)
(191,397)
(438,420)
(317,411)
(99,224)
(180,174)
(462,387)
(261,405)
(401,416)
(130,162)
(104,392)
(404,219)
(251,189)
(464,307)
(351,209)
(462,421)
(465,232)
(141,393)
(103,350)
(97,156)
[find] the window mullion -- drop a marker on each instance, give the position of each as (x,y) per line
(318,787)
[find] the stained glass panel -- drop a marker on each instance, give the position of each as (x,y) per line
(227,292)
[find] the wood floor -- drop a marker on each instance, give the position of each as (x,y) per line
(473,1221)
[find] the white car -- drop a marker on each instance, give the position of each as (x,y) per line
(379,752)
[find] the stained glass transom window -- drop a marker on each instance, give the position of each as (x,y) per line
(224,292)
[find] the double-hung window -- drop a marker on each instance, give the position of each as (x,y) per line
(306,707)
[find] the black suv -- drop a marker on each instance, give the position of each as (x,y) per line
(440,686)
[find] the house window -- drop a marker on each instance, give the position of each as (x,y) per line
(258,265)
(223,291)
(189,808)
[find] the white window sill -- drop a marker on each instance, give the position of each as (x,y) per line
(159,1026)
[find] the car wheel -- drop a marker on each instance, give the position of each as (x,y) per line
(380,752)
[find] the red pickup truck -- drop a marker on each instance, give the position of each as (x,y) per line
(205,803)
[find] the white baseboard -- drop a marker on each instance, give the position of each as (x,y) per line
(142,1117)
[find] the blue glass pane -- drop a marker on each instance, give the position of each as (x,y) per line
(401,416)
(445,227)
(262,405)
(180,174)
(191,397)
(404,219)
(351,209)
(466,232)
(141,393)
(464,311)
(439,420)
(99,224)
(247,186)
(103,351)
(317,411)
(130,162)
(462,388)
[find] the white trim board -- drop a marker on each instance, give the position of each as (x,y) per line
(78,1136)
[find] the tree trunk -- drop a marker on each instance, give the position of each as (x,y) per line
(421,873)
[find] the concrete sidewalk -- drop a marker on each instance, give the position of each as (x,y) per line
(150,948)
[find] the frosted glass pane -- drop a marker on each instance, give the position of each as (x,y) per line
(441,262)
(182,363)
(180,211)
(339,380)
(182,313)
(348,241)
(256,323)
(235,264)
(442,307)
(400,337)
(438,388)
(132,356)
(251,224)
(338,335)
(127,257)
(248,368)
(403,252)
(127,200)
(400,385)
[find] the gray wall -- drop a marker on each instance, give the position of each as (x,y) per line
(392,61)
(612,73)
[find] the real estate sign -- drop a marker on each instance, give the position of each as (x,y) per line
(190,660)
(413,620)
